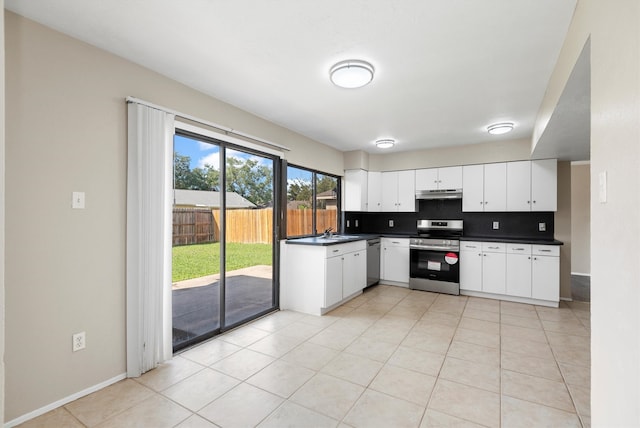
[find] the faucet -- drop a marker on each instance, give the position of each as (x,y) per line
(328,233)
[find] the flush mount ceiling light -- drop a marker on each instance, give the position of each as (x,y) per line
(351,74)
(386,143)
(500,128)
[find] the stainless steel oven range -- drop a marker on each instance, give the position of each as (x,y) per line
(434,256)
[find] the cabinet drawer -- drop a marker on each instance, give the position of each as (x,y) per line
(494,247)
(348,247)
(546,250)
(470,246)
(395,242)
(519,249)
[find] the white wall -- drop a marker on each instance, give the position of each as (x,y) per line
(614,30)
(65,271)
(581,218)
(2,250)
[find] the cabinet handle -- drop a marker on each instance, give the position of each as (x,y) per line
(480,254)
(335,251)
(529,258)
(394,242)
(470,246)
(518,249)
(535,258)
(534,202)
(545,251)
(528,202)
(494,248)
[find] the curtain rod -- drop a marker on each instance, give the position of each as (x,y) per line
(227,130)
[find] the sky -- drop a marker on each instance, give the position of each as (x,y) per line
(205,153)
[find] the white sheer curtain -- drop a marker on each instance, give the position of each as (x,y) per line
(149,222)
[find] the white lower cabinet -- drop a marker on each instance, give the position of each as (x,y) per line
(394,266)
(316,279)
(471,266)
(545,272)
(494,264)
(517,272)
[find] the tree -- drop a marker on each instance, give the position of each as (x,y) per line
(299,190)
(251,180)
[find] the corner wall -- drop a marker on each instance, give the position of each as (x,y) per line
(581,219)
(615,230)
(562,230)
(65,271)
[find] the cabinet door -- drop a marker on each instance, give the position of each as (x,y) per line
(519,275)
(450,177)
(354,273)
(355,190)
(395,261)
(473,188)
(519,186)
(544,185)
(374,191)
(471,270)
(494,274)
(545,278)
(427,179)
(495,187)
(407,191)
(333,281)
(390,191)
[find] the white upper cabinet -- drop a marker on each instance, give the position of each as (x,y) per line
(427,179)
(355,190)
(398,191)
(450,177)
(484,187)
(439,178)
(374,191)
(519,186)
(532,185)
(495,187)
(544,185)
(473,188)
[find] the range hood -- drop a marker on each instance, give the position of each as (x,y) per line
(439,194)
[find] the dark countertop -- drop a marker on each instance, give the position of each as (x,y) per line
(512,240)
(342,238)
(335,240)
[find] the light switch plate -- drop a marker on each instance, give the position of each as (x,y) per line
(542,227)
(77,200)
(602,178)
(496,225)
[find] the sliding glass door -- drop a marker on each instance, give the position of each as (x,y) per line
(223,240)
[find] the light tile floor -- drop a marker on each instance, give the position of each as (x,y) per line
(392,357)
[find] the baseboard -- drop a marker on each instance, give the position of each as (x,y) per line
(62,402)
(566,299)
(580,274)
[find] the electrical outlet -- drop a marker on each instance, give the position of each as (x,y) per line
(542,227)
(347,223)
(79,341)
(496,225)
(356,222)
(390,223)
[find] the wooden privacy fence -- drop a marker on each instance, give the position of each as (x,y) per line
(199,225)
(193,226)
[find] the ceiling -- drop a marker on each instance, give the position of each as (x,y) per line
(444,69)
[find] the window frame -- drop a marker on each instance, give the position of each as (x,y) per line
(314,178)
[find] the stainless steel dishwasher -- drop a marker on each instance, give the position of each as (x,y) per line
(373,261)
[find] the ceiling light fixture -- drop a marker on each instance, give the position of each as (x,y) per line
(500,128)
(386,143)
(351,73)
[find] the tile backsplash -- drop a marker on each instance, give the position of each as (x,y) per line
(476,224)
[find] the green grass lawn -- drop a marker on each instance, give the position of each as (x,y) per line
(194,261)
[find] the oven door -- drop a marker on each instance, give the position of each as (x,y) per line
(436,265)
